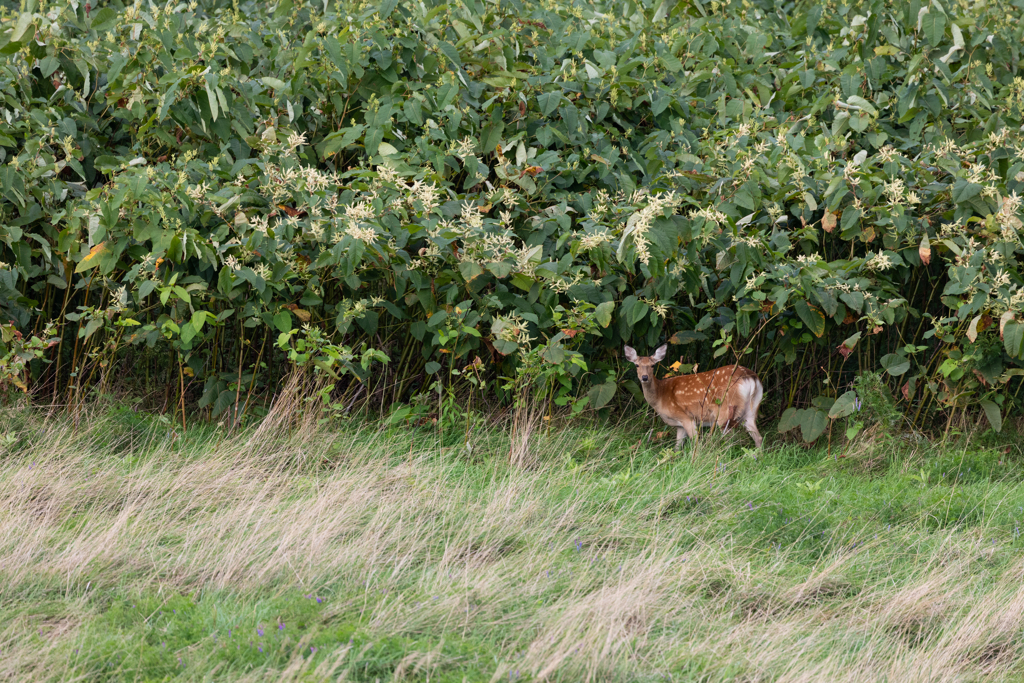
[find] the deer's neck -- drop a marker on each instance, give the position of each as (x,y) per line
(651,391)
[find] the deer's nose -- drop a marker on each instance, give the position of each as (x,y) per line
(643,378)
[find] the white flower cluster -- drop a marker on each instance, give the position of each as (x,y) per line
(879,261)
(640,222)
(592,240)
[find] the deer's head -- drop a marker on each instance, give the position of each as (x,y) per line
(645,364)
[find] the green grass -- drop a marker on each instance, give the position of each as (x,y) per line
(131,552)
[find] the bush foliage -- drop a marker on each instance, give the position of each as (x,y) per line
(817,190)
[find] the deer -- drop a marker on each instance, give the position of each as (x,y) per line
(727,396)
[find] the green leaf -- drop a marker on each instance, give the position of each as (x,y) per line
(601,394)
(431,367)
(339,140)
(275,83)
(849,219)
(687,337)
(283,321)
(1013,336)
(844,406)
(413,111)
(855,300)
(895,364)
(24,21)
(637,312)
(214,110)
(603,315)
(933,25)
(994,417)
(964,191)
(104,19)
(858,101)
(438,318)
(368,321)
(491,136)
(827,299)
(387,7)
(470,270)
(548,102)
(450,52)
(789,420)
(813,423)
(225,400)
(48,65)
(812,317)
(188,333)
(501,269)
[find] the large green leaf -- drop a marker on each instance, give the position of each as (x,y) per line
(813,423)
(995,418)
(811,316)
(789,421)
(895,364)
(933,25)
(283,321)
(844,406)
(1013,336)
(601,394)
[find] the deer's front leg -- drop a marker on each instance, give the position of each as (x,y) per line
(687,429)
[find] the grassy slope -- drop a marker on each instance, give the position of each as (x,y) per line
(130,553)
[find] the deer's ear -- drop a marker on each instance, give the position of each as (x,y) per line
(659,355)
(630,354)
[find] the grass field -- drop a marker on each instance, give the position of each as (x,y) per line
(130,552)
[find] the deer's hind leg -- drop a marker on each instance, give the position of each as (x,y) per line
(726,418)
(750,424)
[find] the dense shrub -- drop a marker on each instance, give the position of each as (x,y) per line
(816,189)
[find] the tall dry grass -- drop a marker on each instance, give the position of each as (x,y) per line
(566,576)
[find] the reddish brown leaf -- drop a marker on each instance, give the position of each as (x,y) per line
(293,213)
(828,221)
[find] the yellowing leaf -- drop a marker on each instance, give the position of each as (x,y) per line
(972,330)
(91,259)
(675,366)
(1003,319)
